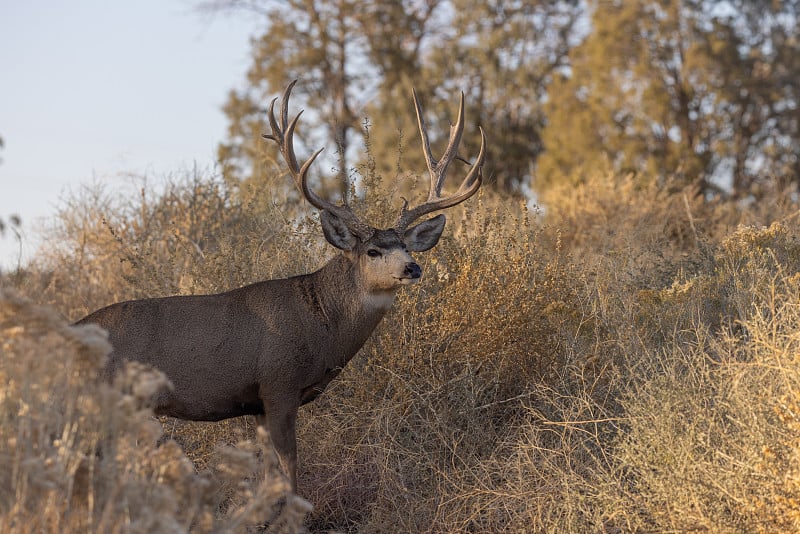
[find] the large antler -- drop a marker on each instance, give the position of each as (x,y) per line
(283,134)
(438,171)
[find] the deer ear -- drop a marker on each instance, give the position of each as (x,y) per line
(425,235)
(336,231)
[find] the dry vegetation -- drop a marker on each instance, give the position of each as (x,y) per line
(628,361)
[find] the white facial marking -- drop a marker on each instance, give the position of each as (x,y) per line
(387,271)
(382,301)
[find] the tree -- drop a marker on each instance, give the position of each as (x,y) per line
(761,92)
(504,55)
(695,89)
(316,40)
(360,59)
(398,36)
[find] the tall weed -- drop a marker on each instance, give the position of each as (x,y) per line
(711,436)
(625,361)
(80,455)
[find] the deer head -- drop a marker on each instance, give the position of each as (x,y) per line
(382,255)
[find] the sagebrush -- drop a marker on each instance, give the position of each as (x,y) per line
(624,361)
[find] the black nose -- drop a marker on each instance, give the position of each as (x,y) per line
(413,270)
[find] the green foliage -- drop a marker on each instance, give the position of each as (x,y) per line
(698,91)
(503,55)
(318,41)
(685,89)
(360,60)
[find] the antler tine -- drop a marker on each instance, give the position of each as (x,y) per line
(438,170)
(283,135)
(426,144)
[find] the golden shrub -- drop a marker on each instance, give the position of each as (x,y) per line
(80,455)
(625,361)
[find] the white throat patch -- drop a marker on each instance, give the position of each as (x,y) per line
(381,301)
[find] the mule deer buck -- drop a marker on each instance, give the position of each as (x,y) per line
(267,348)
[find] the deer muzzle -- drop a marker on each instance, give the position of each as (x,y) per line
(412,271)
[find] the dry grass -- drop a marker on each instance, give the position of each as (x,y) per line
(79,455)
(625,362)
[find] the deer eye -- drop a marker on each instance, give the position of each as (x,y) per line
(374,253)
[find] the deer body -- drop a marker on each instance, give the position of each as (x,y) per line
(254,348)
(267,348)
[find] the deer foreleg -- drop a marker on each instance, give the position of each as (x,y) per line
(281,426)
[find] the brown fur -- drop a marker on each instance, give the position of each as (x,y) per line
(263,349)
(267,348)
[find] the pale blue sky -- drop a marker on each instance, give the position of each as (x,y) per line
(92,90)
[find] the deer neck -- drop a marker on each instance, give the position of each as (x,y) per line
(347,310)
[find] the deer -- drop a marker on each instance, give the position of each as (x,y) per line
(268,348)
